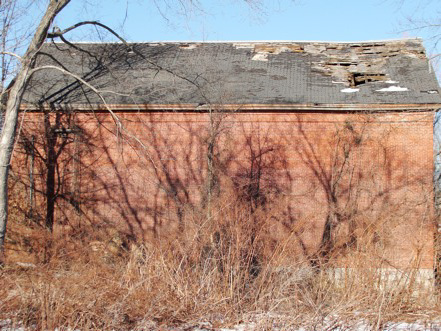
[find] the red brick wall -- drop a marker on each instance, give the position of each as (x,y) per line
(363,171)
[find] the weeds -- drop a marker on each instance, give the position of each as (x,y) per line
(222,270)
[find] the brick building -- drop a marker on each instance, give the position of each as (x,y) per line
(338,135)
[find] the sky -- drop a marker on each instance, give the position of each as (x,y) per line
(217,20)
(234,20)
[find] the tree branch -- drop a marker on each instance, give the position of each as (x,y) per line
(99,93)
(82,81)
(56,34)
(59,34)
(12,54)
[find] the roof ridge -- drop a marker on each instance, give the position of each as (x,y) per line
(247,41)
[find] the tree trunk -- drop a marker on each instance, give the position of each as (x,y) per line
(51,161)
(15,96)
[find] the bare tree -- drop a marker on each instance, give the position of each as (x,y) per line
(14,97)
(13,36)
(27,67)
(421,17)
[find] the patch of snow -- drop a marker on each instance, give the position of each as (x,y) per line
(8,325)
(350,90)
(414,56)
(391,82)
(243,45)
(393,88)
(334,82)
(25,265)
(240,327)
(432,92)
(403,326)
(260,57)
(188,46)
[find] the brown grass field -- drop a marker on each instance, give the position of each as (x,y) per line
(224,270)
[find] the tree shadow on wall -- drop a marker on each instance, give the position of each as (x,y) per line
(48,164)
(260,172)
(101,66)
(358,180)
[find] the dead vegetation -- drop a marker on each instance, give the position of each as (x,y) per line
(239,255)
(223,270)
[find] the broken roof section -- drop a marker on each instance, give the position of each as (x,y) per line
(268,73)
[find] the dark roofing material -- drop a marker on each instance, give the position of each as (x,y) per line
(392,72)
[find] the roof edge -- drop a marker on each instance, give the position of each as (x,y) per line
(240,107)
(247,41)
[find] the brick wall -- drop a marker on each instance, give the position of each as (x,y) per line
(365,175)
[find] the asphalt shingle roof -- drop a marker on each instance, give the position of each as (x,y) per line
(392,72)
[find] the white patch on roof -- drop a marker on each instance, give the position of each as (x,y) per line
(391,82)
(314,49)
(188,46)
(414,56)
(281,50)
(350,90)
(393,88)
(260,57)
(243,45)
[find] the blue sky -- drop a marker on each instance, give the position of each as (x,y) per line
(217,20)
(343,20)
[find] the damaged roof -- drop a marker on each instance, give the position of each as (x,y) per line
(265,73)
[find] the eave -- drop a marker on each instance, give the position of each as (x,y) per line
(308,107)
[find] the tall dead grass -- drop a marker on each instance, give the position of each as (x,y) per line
(222,270)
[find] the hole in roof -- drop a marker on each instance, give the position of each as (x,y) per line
(359,78)
(342,64)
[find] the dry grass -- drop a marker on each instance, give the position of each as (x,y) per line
(222,270)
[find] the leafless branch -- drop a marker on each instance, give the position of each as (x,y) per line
(82,81)
(11,54)
(56,34)
(118,123)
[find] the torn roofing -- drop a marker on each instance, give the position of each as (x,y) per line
(390,72)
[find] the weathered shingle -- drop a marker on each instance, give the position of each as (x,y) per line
(392,72)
